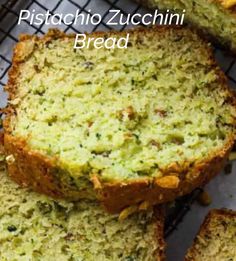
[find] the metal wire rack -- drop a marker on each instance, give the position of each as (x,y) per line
(9,31)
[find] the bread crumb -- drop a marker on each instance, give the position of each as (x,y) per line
(10,159)
(232,156)
(204,199)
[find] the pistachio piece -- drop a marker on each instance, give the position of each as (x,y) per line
(127,212)
(170,182)
(96,182)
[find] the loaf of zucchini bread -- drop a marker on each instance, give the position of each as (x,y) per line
(135,126)
(216,240)
(35,227)
(215,18)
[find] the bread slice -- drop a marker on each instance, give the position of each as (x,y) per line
(216,240)
(215,18)
(35,227)
(132,126)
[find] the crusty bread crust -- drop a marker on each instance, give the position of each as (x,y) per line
(190,178)
(221,214)
(158,220)
(159,216)
(30,168)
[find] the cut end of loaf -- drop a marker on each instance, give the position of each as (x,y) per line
(39,228)
(158,108)
(216,239)
(215,19)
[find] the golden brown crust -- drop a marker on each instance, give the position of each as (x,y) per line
(159,214)
(53,190)
(2,151)
(1,142)
(214,213)
(30,168)
(145,190)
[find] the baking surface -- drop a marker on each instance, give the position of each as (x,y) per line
(222,189)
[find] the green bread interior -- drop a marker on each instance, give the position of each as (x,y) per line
(208,15)
(219,242)
(34,227)
(123,113)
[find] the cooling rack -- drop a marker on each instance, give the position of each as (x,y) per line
(9,31)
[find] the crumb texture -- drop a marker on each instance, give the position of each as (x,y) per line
(124,113)
(214,17)
(217,242)
(34,227)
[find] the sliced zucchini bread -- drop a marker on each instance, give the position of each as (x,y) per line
(216,240)
(35,227)
(135,126)
(215,18)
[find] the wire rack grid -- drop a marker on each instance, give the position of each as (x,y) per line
(9,32)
